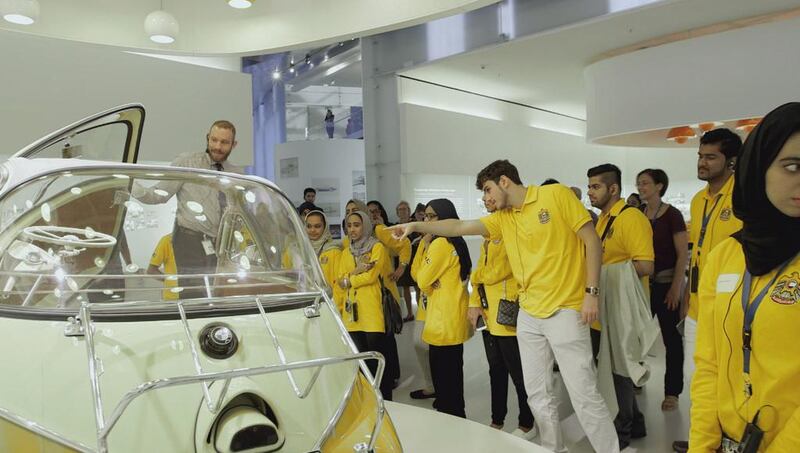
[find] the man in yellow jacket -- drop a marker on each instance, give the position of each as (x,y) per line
(492,281)
(626,235)
(711,223)
(555,257)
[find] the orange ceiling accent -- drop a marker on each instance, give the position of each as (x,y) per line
(747,124)
(681,134)
(705,127)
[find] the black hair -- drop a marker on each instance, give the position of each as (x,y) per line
(309,190)
(495,170)
(659,176)
(609,173)
(444,210)
(550,181)
(730,144)
(384,215)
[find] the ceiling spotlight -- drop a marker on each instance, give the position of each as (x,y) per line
(308,58)
(276,75)
(161,27)
(240,4)
(291,68)
(21,12)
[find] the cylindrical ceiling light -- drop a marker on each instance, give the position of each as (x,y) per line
(240,4)
(680,134)
(161,27)
(21,12)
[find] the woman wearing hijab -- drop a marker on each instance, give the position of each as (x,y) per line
(358,274)
(442,278)
(327,249)
(748,337)
(394,247)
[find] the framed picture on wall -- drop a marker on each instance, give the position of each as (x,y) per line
(290,167)
(336,230)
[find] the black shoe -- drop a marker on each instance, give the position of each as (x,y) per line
(421,395)
(680,446)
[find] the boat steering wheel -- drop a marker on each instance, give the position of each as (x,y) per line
(69,237)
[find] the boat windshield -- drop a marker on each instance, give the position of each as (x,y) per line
(119,234)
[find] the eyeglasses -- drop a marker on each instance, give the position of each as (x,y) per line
(431,216)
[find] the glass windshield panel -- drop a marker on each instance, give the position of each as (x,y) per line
(121,235)
(105,142)
(111,136)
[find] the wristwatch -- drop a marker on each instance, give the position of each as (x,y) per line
(593,290)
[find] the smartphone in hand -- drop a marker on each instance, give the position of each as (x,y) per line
(480,324)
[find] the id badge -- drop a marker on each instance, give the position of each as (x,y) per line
(208,246)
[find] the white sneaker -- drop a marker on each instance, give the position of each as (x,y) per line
(527,436)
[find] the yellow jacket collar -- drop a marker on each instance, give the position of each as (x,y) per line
(616,209)
(531,196)
(726,189)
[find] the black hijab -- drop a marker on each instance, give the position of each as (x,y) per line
(444,209)
(384,214)
(769,237)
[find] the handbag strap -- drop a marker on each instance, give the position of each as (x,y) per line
(611,222)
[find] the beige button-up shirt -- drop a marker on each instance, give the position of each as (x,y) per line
(198,204)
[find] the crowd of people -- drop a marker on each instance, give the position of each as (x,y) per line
(559,288)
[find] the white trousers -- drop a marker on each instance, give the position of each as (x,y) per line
(689,346)
(563,337)
(421,348)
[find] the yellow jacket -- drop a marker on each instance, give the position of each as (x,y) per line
(719,404)
(419,259)
(395,247)
(329,260)
(365,291)
(446,318)
(494,272)
(721,224)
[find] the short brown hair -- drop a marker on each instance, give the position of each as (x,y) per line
(495,170)
(224,124)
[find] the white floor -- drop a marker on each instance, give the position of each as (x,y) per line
(662,427)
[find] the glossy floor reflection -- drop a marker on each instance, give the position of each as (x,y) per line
(662,427)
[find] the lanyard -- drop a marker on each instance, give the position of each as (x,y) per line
(750,315)
(706,219)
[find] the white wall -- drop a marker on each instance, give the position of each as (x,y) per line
(742,73)
(321,164)
(46,84)
(445,150)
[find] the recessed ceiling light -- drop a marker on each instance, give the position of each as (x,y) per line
(20,12)
(240,4)
(276,75)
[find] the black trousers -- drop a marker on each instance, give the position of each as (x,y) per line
(378,342)
(392,358)
(191,258)
(629,421)
(502,353)
(673,343)
(447,371)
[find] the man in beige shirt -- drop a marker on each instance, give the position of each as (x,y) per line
(200,207)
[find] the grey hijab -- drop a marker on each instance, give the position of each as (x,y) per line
(367,241)
(325,242)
